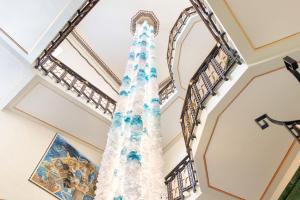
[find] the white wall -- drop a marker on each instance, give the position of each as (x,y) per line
(23,143)
(173,154)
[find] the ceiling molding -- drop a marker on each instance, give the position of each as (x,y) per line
(92,66)
(94,55)
(14,41)
(246,35)
(212,134)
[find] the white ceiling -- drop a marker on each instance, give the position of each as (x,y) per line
(194,49)
(107,30)
(253,155)
(266,21)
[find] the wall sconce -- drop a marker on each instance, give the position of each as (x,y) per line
(292,66)
(292,126)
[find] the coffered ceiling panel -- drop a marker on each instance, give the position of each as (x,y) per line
(107,30)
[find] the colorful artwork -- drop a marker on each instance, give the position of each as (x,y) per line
(65,173)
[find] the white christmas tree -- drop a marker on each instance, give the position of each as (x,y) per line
(131,168)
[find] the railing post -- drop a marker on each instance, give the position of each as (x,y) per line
(177,175)
(193,112)
(207,83)
(191,174)
(218,69)
(169,188)
(180,185)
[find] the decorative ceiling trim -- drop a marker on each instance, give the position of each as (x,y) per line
(213,131)
(13,41)
(94,55)
(141,16)
(91,65)
(239,24)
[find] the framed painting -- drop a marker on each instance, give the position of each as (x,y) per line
(66,173)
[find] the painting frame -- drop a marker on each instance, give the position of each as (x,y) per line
(60,137)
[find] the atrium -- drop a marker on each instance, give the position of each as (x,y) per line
(149,100)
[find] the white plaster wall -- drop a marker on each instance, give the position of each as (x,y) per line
(23,143)
(173,154)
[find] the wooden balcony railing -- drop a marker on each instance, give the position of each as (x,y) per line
(202,85)
(181,179)
(65,76)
